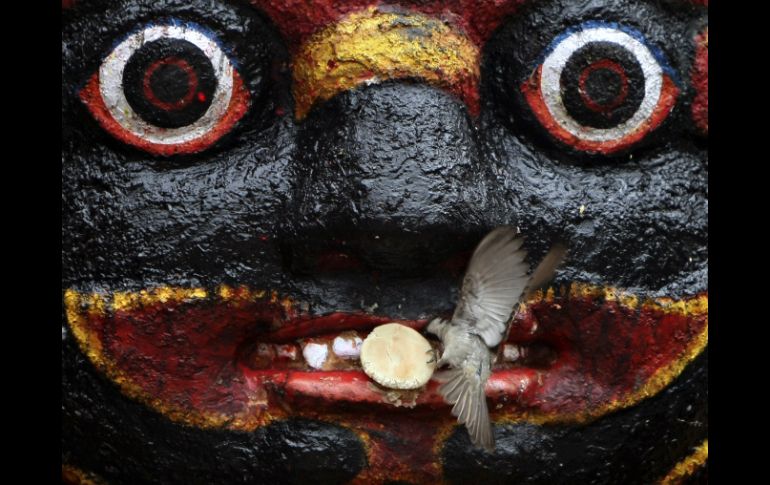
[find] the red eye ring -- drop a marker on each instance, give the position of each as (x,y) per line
(239,105)
(531,91)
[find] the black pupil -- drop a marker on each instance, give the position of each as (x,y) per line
(169,83)
(602,85)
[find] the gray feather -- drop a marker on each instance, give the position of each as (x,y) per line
(546,269)
(493,284)
(452,390)
(470,405)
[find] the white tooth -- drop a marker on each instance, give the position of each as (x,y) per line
(346,347)
(315,354)
(286,351)
(511,353)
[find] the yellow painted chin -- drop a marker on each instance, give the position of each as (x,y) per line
(374,46)
(688,466)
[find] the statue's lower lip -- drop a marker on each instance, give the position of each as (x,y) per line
(198,356)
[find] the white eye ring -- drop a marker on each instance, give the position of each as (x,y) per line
(111,85)
(550,83)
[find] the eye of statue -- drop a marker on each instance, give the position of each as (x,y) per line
(167,89)
(600,88)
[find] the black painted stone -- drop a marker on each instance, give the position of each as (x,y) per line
(401,161)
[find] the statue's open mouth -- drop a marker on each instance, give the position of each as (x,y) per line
(239,358)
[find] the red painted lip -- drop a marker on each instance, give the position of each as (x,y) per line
(239,362)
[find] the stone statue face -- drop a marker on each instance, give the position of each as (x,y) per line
(249,187)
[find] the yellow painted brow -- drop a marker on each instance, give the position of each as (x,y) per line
(373,46)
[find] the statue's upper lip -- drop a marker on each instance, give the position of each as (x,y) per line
(209,358)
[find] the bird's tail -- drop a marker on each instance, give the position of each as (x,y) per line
(470,405)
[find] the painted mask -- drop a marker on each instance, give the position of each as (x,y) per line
(249,188)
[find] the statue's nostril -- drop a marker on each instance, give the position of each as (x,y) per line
(411,254)
(379,252)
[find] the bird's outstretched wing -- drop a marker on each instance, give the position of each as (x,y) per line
(493,284)
(464,388)
(546,269)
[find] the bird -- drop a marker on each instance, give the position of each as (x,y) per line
(494,285)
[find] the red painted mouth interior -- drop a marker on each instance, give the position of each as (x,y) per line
(239,358)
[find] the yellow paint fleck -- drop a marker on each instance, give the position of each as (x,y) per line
(287,305)
(76,476)
(688,466)
(129,300)
(241,294)
(627,300)
(86,336)
(374,46)
(96,304)
(582,209)
(225,292)
(124,301)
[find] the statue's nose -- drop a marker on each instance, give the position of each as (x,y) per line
(397,160)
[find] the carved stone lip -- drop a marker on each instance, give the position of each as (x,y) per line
(236,357)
